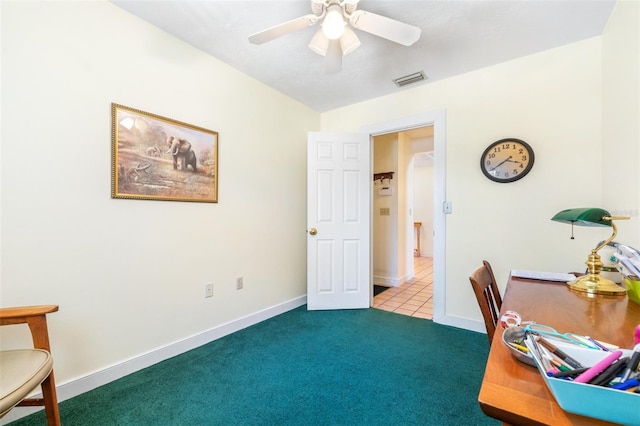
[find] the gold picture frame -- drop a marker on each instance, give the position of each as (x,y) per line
(157,158)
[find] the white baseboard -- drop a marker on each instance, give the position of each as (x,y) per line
(391,282)
(463,323)
(91,381)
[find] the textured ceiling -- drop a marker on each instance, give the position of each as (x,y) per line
(457,37)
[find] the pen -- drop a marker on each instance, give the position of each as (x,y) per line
(571,372)
(627,385)
(519,347)
(566,358)
(610,373)
(633,364)
(546,365)
(598,344)
(561,365)
(598,367)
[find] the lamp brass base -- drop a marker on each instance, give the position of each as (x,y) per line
(595,284)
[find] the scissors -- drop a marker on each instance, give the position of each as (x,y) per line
(550,331)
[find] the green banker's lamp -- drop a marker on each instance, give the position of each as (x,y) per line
(592,282)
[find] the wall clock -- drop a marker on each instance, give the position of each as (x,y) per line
(507,160)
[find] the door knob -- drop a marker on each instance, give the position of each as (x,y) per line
(313,231)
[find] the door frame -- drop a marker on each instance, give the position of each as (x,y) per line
(437,119)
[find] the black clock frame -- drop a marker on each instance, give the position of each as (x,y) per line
(512,178)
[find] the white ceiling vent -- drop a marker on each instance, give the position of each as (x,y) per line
(410,79)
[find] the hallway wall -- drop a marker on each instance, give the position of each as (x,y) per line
(385,213)
(423,201)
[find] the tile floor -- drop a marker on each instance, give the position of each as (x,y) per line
(414,297)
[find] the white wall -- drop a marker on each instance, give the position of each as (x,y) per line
(110,264)
(393,233)
(386,268)
(621,119)
(128,275)
(423,207)
(405,206)
(553,100)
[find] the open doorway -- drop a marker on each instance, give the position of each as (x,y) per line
(403,222)
(438,120)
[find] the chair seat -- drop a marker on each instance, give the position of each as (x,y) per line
(21,371)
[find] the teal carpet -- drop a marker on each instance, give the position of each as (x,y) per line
(351,367)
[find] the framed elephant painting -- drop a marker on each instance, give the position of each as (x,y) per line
(157,158)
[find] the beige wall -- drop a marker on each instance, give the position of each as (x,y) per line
(577,105)
(621,119)
(392,234)
(385,231)
(553,100)
(129,275)
(423,207)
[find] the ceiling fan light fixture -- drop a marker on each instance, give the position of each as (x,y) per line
(333,24)
(349,41)
(319,43)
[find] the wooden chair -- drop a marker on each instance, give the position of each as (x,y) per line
(23,370)
(486,290)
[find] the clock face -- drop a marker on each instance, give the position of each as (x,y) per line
(507,160)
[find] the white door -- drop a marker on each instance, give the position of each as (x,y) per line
(338,221)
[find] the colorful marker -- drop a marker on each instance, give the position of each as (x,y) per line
(519,347)
(571,372)
(633,364)
(563,356)
(627,385)
(598,368)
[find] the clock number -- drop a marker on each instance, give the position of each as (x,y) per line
(507,160)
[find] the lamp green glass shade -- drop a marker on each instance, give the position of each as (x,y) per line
(592,283)
(589,216)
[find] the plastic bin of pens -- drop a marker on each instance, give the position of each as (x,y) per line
(589,400)
(633,289)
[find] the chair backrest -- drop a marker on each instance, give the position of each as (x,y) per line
(38,361)
(486,290)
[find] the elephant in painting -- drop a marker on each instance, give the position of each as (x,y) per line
(181,149)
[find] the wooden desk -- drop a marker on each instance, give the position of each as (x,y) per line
(515,392)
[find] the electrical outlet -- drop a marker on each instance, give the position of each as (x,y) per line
(239,283)
(208,290)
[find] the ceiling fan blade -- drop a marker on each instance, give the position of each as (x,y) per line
(384,27)
(282,29)
(333,57)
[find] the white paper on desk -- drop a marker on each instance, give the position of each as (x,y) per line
(542,275)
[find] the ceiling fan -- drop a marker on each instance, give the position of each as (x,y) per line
(336,39)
